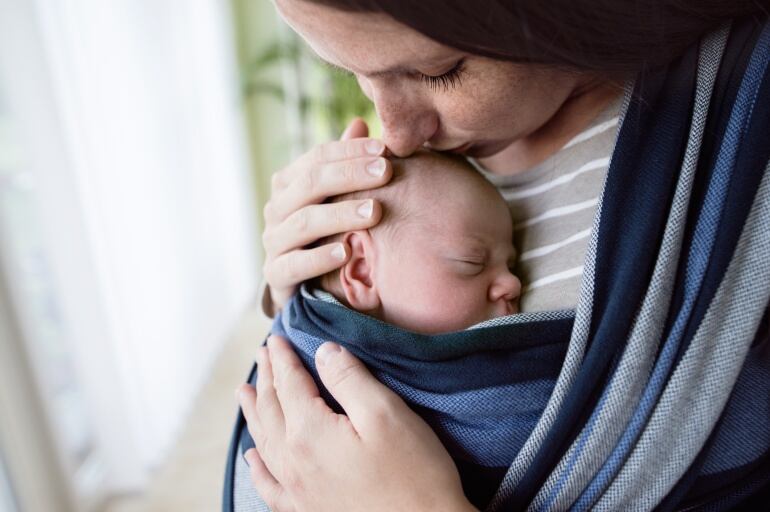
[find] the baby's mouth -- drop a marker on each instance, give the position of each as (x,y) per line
(505,309)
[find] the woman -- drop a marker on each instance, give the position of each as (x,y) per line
(531,89)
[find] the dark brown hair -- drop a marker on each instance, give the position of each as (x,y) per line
(608,36)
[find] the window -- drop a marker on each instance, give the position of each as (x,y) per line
(126,224)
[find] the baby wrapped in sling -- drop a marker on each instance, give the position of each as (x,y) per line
(427,301)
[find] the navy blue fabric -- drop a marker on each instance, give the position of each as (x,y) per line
(700,258)
(481,390)
(744,430)
(748,489)
(648,155)
(642,176)
(523,351)
(750,162)
(741,42)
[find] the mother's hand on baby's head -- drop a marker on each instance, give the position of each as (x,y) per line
(296,217)
(380,456)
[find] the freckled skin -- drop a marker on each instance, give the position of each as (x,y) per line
(520,112)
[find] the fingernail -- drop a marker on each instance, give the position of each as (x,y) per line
(338,252)
(365,209)
(374,147)
(237,393)
(326,352)
(376,167)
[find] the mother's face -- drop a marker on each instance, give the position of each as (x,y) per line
(428,93)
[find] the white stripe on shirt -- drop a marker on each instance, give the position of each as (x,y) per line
(548,249)
(599,128)
(558,212)
(599,163)
(553,278)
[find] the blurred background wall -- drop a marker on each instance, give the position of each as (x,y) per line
(137,138)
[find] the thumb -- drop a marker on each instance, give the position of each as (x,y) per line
(356,128)
(351,384)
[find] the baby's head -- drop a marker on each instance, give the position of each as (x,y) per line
(439,259)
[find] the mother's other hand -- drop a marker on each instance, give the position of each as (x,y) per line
(295,217)
(380,456)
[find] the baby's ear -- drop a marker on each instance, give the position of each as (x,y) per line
(356,277)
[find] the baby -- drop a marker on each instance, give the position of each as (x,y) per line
(439,259)
(436,264)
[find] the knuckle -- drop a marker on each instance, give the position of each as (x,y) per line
(268,240)
(292,270)
(315,261)
(260,443)
(285,374)
(349,171)
(319,154)
(301,220)
(307,182)
(345,374)
(271,275)
(267,269)
(338,216)
(381,417)
(294,484)
(353,148)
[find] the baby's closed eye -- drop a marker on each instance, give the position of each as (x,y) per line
(468,266)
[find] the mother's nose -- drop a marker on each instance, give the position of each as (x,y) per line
(407,122)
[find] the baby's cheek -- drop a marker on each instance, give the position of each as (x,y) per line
(453,305)
(422,294)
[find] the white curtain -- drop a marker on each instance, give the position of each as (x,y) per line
(129,117)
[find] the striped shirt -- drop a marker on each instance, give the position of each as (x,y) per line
(553,205)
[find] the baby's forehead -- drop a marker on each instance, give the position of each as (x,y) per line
(436,176)
(435,193)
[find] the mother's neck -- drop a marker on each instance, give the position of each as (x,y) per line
(575,114)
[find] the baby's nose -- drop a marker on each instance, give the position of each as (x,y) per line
(506,287)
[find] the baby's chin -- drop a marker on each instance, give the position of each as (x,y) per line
(429,319)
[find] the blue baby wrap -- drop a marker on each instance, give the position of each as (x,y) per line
(481,390)
(655,392)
